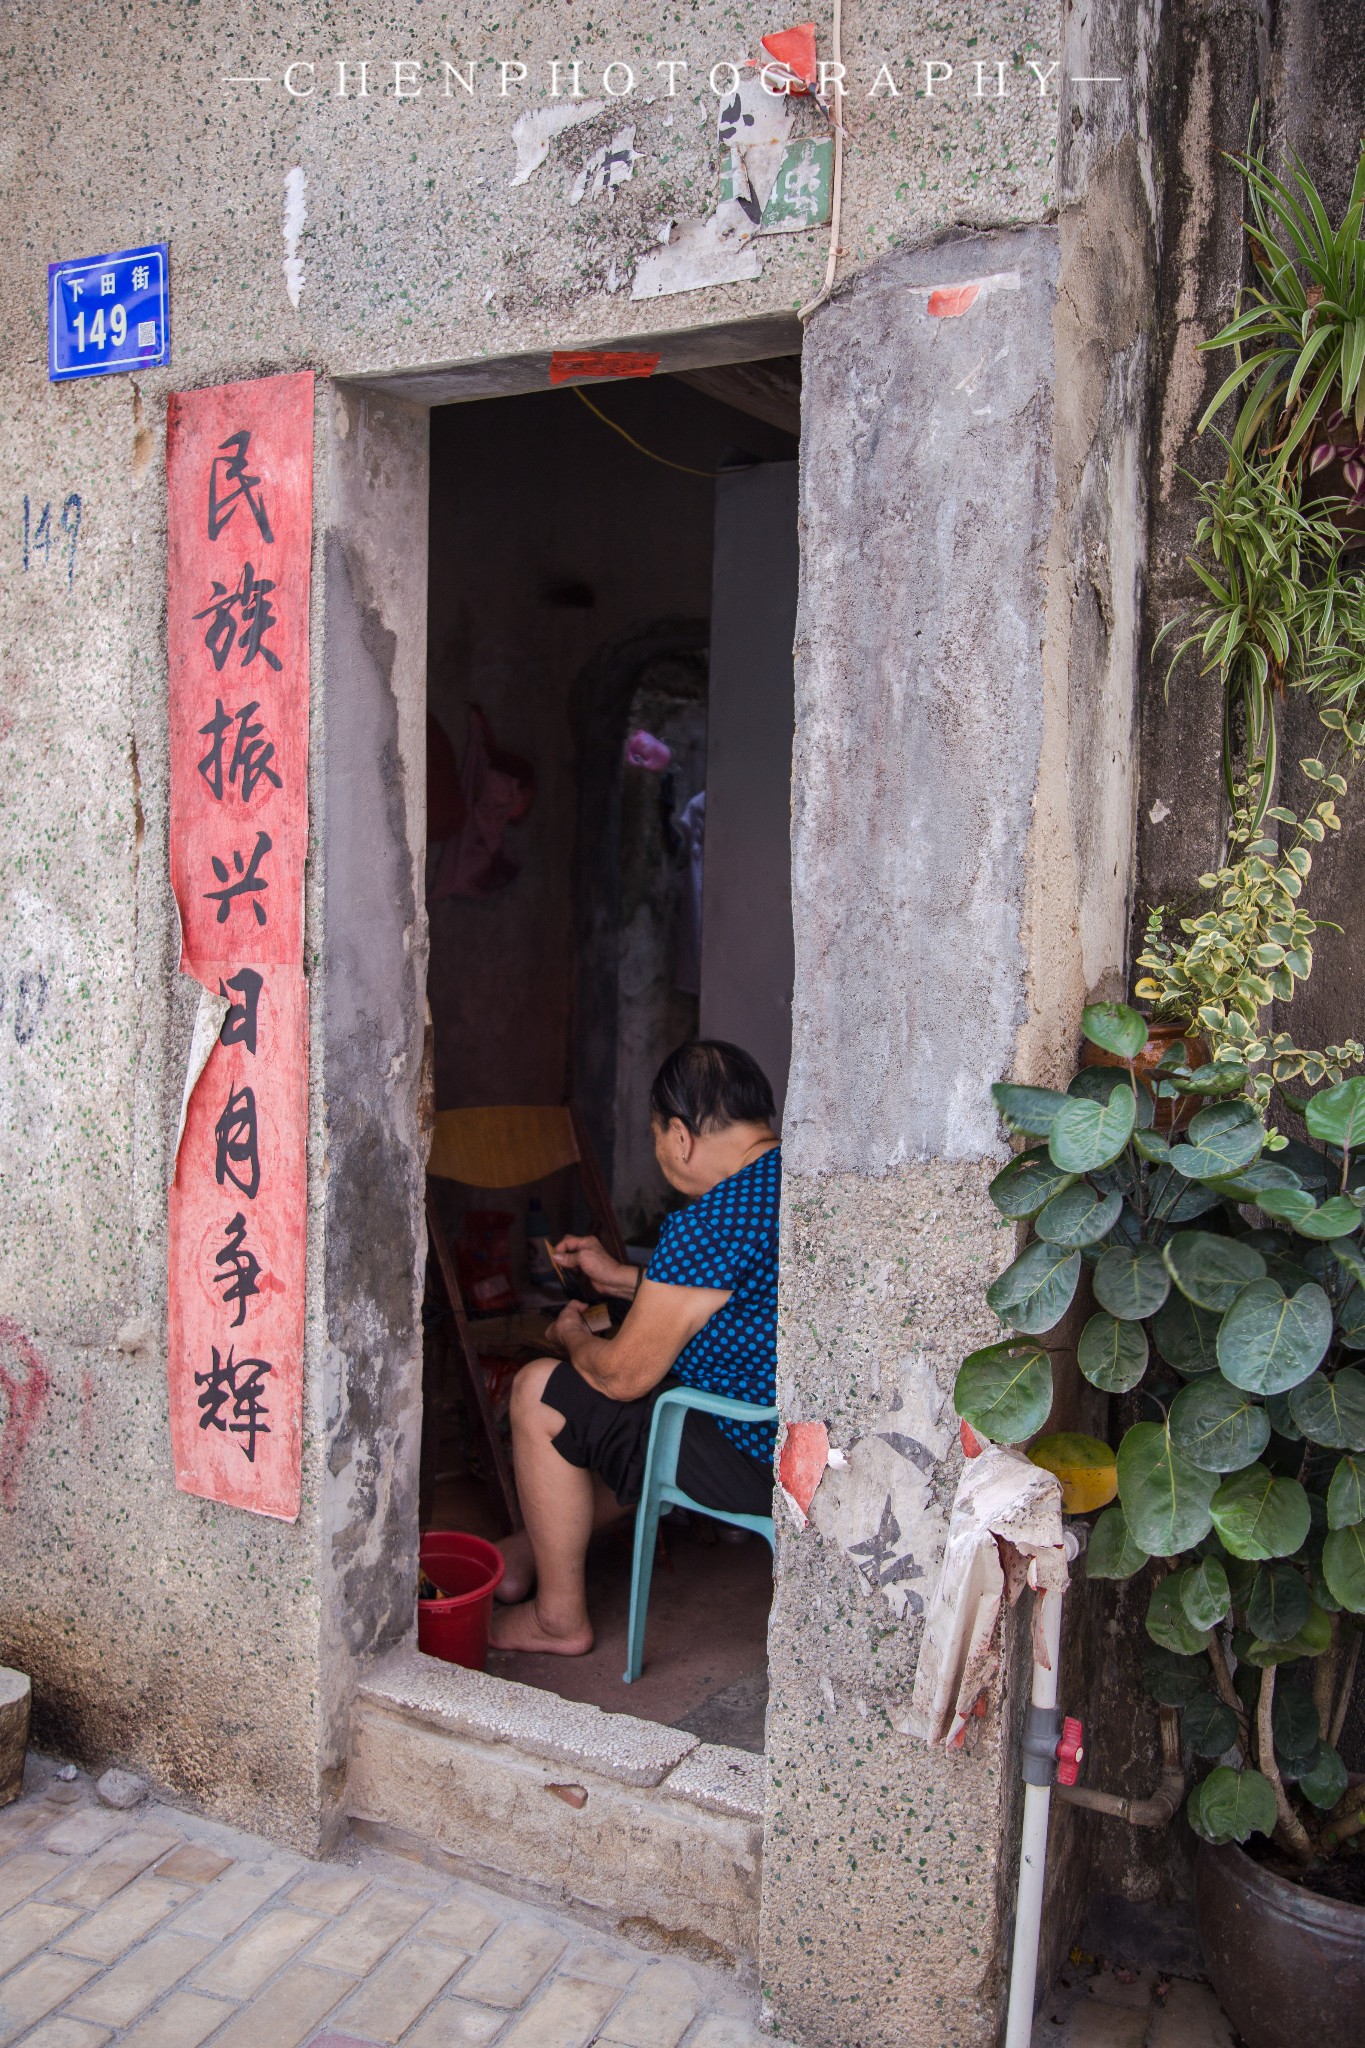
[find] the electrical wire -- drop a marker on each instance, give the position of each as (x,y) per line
(639,446)
(837,183)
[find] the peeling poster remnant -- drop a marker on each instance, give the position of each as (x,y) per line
(533,132)
(611,166)
(698,253)
(239,471)
(295,215)
(880,1502)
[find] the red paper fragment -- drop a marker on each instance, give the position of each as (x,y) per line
(972,1445)
(952,300)
(568,364)
(794,47)
(804,1456)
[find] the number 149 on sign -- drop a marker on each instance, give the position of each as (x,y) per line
(108,313)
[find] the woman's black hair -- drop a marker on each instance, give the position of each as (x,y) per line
(709,1085)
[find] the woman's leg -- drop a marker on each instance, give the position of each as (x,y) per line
(562,1505)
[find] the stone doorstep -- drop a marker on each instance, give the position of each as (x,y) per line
(642,1824)
(565,1733)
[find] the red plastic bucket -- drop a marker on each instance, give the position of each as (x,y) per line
(467,1570)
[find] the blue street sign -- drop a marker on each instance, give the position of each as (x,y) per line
(109,313)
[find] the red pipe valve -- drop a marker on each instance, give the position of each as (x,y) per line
(1070,1751)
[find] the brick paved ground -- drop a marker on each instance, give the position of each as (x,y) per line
(154,1929)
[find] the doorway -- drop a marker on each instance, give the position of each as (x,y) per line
(612,596)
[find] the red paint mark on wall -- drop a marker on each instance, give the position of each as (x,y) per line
(24,1388)
(567,364)
(951,301)
(239,467)
(801,1465)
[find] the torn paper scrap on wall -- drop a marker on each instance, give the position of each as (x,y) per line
(754,126)
(1001,1499)
(801,1465)
(533,132)
(802,195)
(880,1504)
(609,167)
(208,1022)
(699,253)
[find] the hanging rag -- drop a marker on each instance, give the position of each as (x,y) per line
(495,791)
(1006,1511)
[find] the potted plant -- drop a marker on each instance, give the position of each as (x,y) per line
(1229,1283)
(1227,1261)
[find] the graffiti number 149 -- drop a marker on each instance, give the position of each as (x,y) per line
(40,534)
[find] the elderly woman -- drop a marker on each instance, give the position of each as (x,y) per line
(704,1315)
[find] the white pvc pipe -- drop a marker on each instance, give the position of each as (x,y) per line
(1028,1910)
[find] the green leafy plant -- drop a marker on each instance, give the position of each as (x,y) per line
(1299,330)
(1229,1291)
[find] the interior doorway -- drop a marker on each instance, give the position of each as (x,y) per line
(611,614)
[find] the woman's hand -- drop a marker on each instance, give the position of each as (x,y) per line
(589,1256)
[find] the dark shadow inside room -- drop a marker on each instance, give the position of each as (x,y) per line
(611,614)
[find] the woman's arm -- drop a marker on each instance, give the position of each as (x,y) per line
(662,1320)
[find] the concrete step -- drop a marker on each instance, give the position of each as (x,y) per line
(659,1834)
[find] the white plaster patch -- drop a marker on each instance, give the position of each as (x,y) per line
(698,253)
(876,1500)
(295,217)
(610,166)
(533,132)
(1159,812)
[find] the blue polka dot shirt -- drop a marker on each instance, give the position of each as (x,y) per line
(729,1239)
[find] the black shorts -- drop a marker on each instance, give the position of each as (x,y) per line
(611,1438)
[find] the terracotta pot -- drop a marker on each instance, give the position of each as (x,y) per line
(1160,1039)
(1287,1964)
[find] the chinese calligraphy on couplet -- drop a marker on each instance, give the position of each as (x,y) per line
(239,471)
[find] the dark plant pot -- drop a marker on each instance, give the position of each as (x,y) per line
(1287,1965)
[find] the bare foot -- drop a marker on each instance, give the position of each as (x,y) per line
(520,1628)
(520,1575)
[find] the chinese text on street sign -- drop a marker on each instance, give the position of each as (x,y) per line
(239,462)
(108,313)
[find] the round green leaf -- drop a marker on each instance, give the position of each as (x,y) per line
(1208,1727)
(1258,1515)
(1114,1028)
(1281,1421)
(1270,1341)
(1325,1783)
(1168,1623)
(1221,1077)
(1204,1593)
(1173,1199)
(1131,1281)
(1337,1217)
(1087,1135)
(1346,1494)
(1112,1553)
(1336,1116)
(1186,1336)
(1035,1292)
(1255,1180)
(1165,1498)
(1151,1146)
(1096,1084)
(1235,1805)
(1020,1189)
(1005,1391)
(1294,1722)
(1028,1109)
(1351,1320)
(1330,1409)
(1343,1566)
(1287,1205)
(1312,1640)
(1223,1139)
(1349,1256)
(1078,1215)
(1218,1427)
(1209,1270)
(1112,1354)
(1279,1603)
(1174,1681)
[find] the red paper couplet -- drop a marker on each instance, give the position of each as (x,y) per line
(239,462)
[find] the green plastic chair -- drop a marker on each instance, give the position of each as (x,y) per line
(662,1490)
